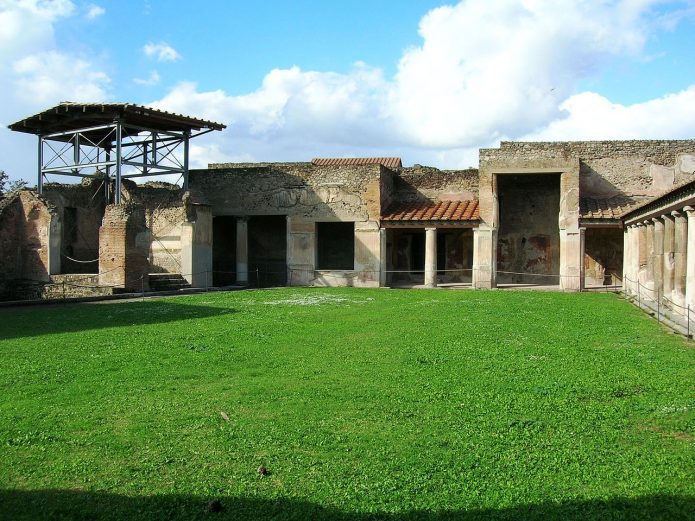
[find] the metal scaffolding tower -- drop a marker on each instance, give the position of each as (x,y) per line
(113,141)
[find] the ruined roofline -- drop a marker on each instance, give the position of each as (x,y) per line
(601,142)
(222,166)
(681,190)
(415,169)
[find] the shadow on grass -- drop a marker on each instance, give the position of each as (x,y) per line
(20,505)
(68,318)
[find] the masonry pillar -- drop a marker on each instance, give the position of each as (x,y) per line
(196,246)
(383,259)
(668,264)
(690,259)
(301,251)
(582,253)
(55,244)
(124,244)
(242,250)
(431,257)
(649,273)
(571,259)
(658,261)
(680,244)
(484,257)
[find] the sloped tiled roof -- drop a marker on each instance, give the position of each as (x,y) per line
(606,208)
(389,162)
(439,211)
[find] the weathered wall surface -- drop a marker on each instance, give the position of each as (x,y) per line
(420,184)
(164,216)
(635,168)
(80,209)
(495,163)
(26,225)
(305,194)
(528,236)
(603,257)
(124,243)
(196,245)
(295,189)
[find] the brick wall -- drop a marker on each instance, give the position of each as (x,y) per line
(124,242)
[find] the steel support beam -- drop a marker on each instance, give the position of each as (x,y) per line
(186,139)
(119,159)
(39,182)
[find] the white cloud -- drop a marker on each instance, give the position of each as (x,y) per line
(590,116)
(484,71)
(53,76)
(36,73)
(150,81)
(162,52)
(94,11)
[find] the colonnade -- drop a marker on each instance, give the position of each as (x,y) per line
(659,258)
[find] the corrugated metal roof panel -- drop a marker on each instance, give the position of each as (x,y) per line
(70,115)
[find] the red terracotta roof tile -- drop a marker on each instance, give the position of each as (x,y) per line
(389,162)
(431,211)
(606,208)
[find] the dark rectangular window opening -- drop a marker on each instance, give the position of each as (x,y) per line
(335,246)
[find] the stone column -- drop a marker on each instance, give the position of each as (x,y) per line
(642,246)
(649,273)
(582,253)
(668,269)
(631,268)
(431,257)
(658,257)
(679,259)
(690,259)
(626,257)
(242,250)
(636,235)
(484,257)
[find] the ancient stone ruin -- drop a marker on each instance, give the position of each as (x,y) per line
(573,215)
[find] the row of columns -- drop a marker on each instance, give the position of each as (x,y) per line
(659,256)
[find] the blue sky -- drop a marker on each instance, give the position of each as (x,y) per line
(428,81)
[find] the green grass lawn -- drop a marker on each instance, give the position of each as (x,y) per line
(362,404)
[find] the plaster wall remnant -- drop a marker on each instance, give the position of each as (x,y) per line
(28,229)
(528,235)
(80,209)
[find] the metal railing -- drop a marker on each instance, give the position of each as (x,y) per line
(653,300)
(273,274)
